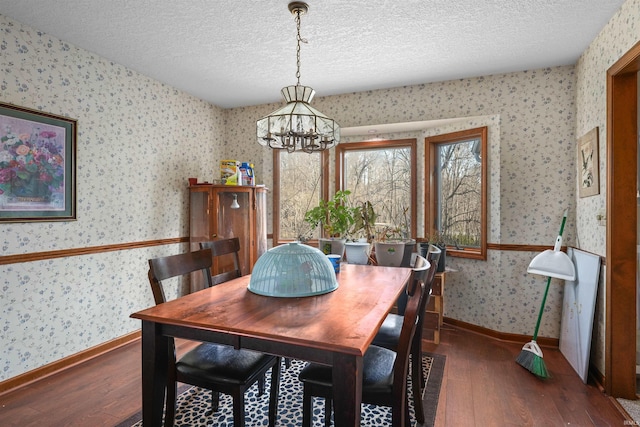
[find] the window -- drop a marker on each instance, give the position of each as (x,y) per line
(456,164)
(299,185)
(384,173)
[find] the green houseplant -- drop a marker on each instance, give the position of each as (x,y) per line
(364,221)
(394,245)
(361,234)
(336,218)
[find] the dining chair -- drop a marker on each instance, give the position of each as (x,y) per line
(389,334)
(216,367)
(230,248)
(223,249)
(384,377)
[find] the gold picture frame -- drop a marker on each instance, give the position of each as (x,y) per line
(588,164)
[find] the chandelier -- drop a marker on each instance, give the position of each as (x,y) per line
(297,125)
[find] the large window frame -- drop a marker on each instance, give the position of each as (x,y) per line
(342,149)
(431,192)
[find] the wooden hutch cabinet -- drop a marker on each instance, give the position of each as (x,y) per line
(211,217)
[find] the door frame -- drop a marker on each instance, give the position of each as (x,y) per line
(621,241)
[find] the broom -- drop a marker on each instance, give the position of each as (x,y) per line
(530,357)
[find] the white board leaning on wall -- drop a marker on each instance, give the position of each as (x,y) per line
(578,309)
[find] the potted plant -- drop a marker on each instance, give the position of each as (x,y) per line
(389,246)
(336,217)
(394,238)
(358,247)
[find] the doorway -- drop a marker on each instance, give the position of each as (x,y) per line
(621,259)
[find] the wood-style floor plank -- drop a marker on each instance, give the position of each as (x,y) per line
(482,386)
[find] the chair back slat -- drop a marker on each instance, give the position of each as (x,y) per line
(224,248)
(433,255)
(409,326)
(176,266)
(418,273)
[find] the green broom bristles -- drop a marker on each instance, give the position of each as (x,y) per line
(531,355)
(531,359)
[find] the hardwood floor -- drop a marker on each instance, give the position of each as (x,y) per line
(482,386)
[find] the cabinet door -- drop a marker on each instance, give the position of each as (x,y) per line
(235,222)
(200,221)
(261,223)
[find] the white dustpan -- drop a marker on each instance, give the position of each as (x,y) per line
(554,263)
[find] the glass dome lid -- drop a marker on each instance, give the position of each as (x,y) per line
(293,270)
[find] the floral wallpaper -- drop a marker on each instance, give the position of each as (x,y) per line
(616,38)
(138,141)
(531,120)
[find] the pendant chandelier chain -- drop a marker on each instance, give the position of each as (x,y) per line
(299,40)
(298,126)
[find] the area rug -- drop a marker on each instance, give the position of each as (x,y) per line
(194,404)
(632,407)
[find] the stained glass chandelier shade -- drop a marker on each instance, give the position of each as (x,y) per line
(298,126)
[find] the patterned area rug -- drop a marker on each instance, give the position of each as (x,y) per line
(632,407)
(194,404)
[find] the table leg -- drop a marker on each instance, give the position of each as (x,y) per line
(347,390)
(155,349)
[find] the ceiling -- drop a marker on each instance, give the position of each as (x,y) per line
(236,53)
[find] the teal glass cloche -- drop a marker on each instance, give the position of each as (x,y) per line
(293,270)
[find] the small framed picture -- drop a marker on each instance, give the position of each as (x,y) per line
(588,164)
(37,166)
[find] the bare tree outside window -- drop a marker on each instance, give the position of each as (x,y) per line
(300,189)
(381,172)
(457,191)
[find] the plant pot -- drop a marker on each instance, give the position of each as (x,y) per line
(389,254)
(424,248)
(332,246)
(357,252)
(409,248)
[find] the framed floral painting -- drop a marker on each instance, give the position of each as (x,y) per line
(37,166)
(588,164)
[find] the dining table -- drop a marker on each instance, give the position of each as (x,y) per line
(333,329)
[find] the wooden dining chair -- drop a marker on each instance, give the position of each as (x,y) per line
(389,334)
(384,378)
(216,367)
(230,248)
(225,249)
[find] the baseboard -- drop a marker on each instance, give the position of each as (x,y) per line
(60,365)
(502,336)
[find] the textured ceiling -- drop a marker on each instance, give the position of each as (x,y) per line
(240,52)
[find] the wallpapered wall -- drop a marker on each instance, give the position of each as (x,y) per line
(531,119)
(138,141)
(616,38)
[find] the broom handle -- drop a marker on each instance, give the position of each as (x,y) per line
(546,291)
(544,300)
(564,220)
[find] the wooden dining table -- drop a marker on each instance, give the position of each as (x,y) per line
(333,329)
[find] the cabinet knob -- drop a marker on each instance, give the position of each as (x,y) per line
(214,235)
